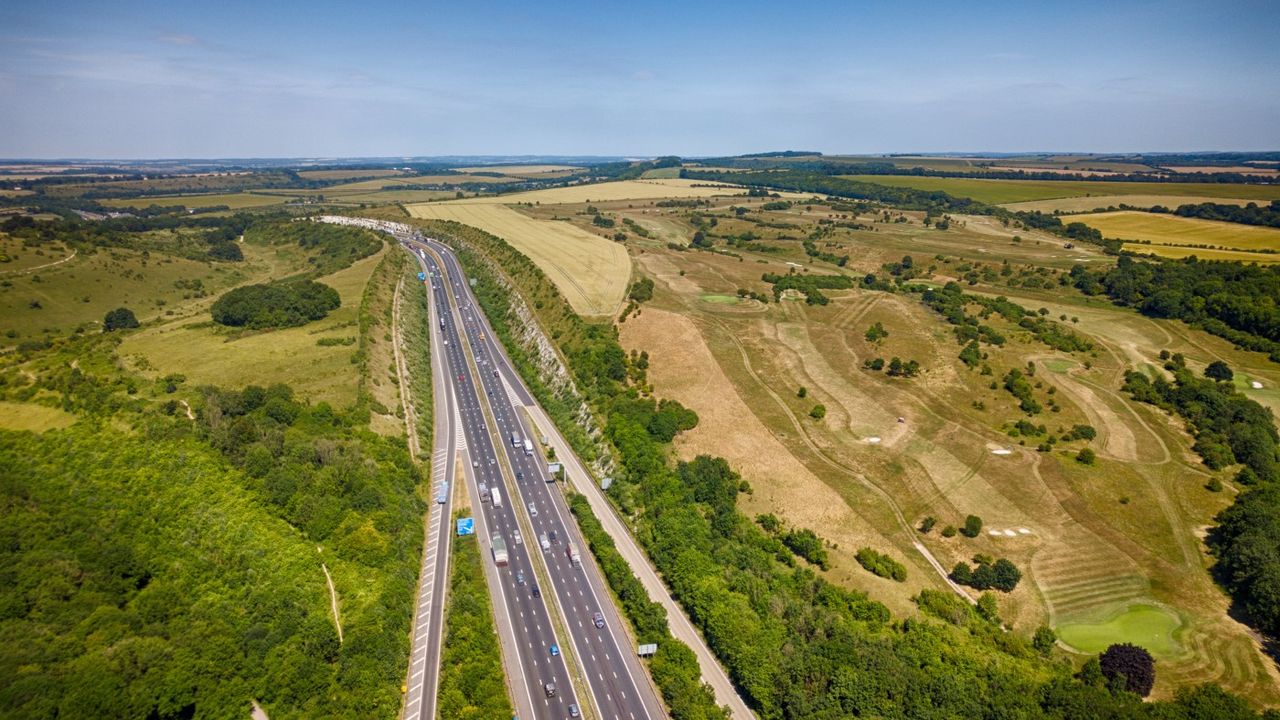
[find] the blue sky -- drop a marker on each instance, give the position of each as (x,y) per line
(256,79)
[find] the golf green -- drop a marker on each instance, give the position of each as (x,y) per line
(1146,626)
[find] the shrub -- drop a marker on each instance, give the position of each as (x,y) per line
(1086,456)
(882,565)
(972,526)
(818,412)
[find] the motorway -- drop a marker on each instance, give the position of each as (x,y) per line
(480,400)
(616,680)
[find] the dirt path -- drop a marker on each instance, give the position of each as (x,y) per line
(41,267)
(333,601)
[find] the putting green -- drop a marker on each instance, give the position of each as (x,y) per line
(1146,626)
(721,299)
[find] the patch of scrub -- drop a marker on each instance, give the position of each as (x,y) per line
(1146,626)
(721,299)
(36,418)
(1059,365)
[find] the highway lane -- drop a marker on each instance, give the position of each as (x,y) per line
(428,627)
(618,682)
(527,614)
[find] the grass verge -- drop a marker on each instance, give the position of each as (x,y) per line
(471,679)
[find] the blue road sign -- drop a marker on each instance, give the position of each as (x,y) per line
(466,526)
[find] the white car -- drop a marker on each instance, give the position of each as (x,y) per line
(519,540)
(546,544)
(533,510)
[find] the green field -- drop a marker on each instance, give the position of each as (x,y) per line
(1009,191)
(1146,626)
(721,299)
(1160,229)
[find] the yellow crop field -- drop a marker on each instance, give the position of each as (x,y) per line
(605,192)
(1095,202)
(235,201)
(1180,231)
(1182,251)
(590,271)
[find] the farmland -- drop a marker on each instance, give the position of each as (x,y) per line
(622,190)
(1090,203)
(1160,229)
(589,270)
(1013,191)
(234,201)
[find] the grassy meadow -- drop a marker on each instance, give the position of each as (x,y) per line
(205,352)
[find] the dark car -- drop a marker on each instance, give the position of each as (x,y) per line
(536,592)
(553,536)
(549,689)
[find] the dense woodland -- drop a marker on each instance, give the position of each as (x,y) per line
(797,646)
(1251,214)
(160,564)
(1229,299)
(1230,429)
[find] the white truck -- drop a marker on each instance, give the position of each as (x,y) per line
(496,496)
(528,447)
(572,553)
(499,550)
(515,440)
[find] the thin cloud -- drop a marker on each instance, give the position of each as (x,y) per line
(180,39)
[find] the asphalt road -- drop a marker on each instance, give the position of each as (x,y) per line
(528,616)
(618,683)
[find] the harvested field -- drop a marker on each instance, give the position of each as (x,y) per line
(1011,191)
(1175,251)
(590,271)
(522,170)
(1090,203)
(605,192)
(1160,229)
(351,173)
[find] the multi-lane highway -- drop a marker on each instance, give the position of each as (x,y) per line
(543,599)
(613,674)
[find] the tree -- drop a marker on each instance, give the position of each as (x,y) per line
(1133,663)
(927,524)
(876,333)
(1044,639)
(1086,456)
(1219,370)
(818,412)
(226,251)
(972,526)
(802,392)
(119,319)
